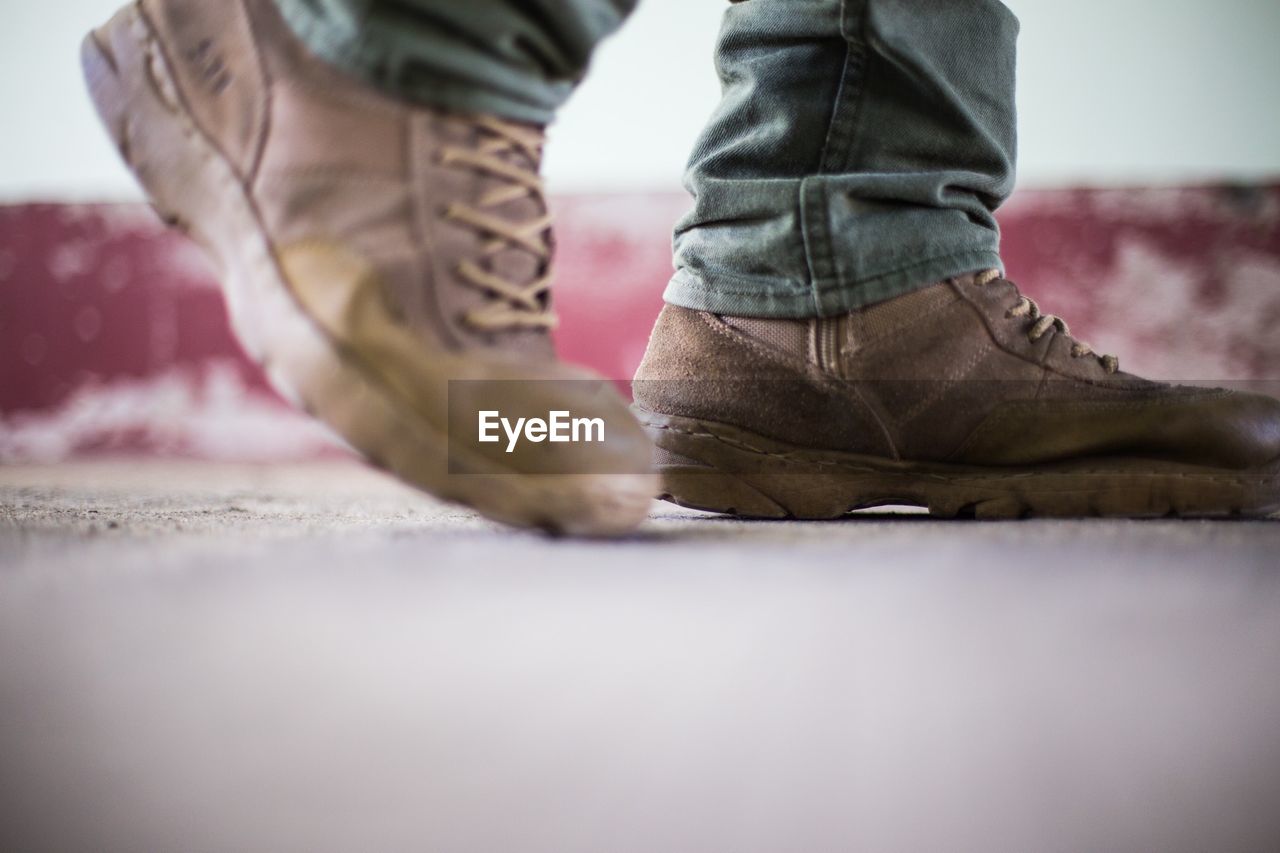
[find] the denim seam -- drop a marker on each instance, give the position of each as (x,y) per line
(837,153)
(814,201)
(815,235)
(696,281)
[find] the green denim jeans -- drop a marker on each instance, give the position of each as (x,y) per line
(859,151)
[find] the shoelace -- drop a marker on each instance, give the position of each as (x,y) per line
(516,305)
(1027,308)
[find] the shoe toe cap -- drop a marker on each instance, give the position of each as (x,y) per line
(1240,430)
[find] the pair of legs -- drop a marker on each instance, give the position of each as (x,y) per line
(838,333)
(859,151)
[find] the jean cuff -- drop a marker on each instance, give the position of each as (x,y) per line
(724,295)
(364,58)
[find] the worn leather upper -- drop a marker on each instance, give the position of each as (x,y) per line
(415,241)
(331,161)
(949,373)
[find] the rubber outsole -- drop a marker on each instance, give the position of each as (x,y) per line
(722,468)
(195,189)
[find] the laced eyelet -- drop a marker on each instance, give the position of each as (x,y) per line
(511,159)
(1042,323)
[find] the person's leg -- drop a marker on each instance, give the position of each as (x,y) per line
(859,152)
(839,333)
(519,59)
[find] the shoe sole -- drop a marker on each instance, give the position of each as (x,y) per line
(194,188)
(721,468)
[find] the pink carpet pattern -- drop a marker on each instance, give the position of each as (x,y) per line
(113,339)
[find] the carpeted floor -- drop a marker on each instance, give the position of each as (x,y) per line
(312,658)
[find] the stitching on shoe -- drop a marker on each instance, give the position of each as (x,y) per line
(1110,383)
(266,116)
(842,388)
(426,260)
(946,385)
(159,65)
(724,330)
(912,320)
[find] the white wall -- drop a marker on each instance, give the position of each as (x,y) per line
(1111,91)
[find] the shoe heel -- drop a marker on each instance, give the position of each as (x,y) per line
(702,470)
(715,491)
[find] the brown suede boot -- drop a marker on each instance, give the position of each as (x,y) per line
(961,397)
(372,252)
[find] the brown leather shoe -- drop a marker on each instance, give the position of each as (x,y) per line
(372,251)
(961,397)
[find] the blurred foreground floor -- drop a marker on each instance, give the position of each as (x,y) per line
(221,658)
